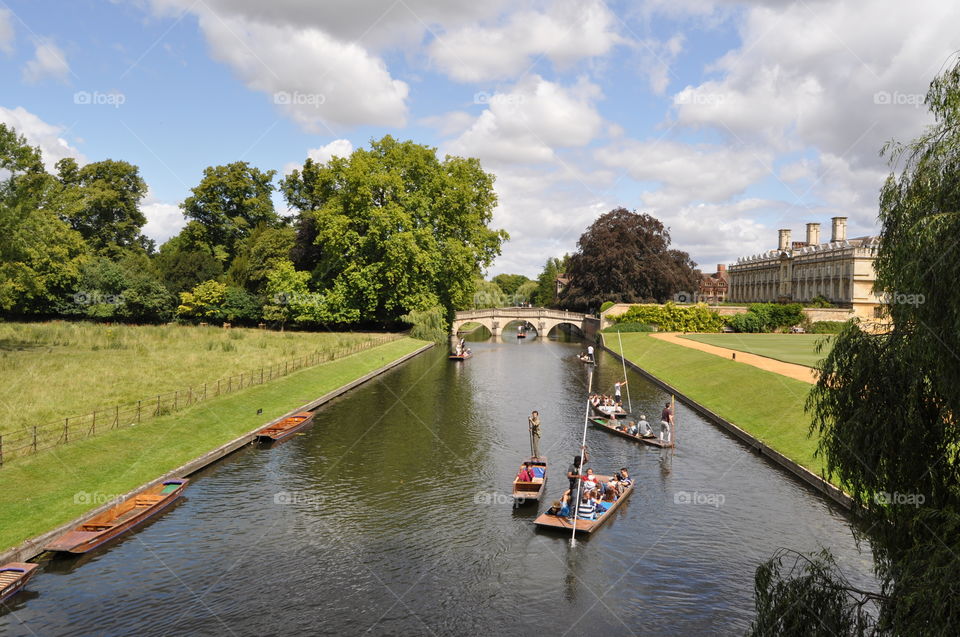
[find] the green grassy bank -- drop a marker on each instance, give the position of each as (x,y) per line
(800,349)
(40,492)
(49,371)
(767,405)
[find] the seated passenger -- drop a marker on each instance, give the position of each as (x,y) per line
(589,481)
(632,428)
(588,507)
(526,473)
(623,477)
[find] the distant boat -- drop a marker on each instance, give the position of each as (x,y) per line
(120,518)
(531,491)
(461,357)
(586,358)
(551,521)
(609,411)
(14,576)
(286,427)
(521,332)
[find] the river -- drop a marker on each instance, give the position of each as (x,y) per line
(390,515)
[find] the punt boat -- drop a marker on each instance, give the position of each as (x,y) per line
(531,491)
(119,518)
(286,427)
(14,576)
(551,521)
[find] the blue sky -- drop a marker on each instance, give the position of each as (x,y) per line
(727,120)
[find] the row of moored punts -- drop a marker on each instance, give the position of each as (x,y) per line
(129,513)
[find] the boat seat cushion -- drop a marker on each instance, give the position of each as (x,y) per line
(538,472)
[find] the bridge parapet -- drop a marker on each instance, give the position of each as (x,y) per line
(543,319)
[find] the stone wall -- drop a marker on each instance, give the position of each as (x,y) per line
(813,313)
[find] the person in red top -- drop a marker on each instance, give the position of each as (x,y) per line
(666,422)
(526,473)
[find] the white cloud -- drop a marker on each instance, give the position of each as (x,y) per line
(6,31)
(527,123)
(48,137)
(452,123)
(336,148)
(566,32)
(48,61)
(164,220)
(686,173)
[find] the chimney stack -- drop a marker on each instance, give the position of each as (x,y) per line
(813,234)
(784,239)
(839,229)
(722,267)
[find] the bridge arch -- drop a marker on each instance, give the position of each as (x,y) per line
(542,319)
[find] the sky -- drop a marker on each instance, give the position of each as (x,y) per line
(726,120)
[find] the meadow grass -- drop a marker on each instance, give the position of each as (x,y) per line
(49,371)
(768,406)
(800,349)
(40,492)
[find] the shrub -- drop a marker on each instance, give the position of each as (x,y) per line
(748,322)
(630,327)
(773,316)
(672,318)
(427,325)
(606,306)
(820,301)
(828,327)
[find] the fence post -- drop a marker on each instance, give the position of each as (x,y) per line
(116,416)
(285,372)
(138,412)
(204,391)
(34,439)
(229,384)
(241,380)
(189,395)
(1,450)
(66,427)
(218,387)
(176,394)
(158,405)
(261,375)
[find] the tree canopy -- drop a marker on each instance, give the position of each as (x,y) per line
(886,409)
(626,257)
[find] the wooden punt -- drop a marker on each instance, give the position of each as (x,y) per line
(586,358)
(652,440)
(531,491)
(14,576)
(460,357)
(616,412)
(120,518)
(286,427)
(555,522)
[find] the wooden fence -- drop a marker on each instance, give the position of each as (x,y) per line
(32,439)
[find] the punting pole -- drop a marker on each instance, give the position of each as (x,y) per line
(624,361)
(583,452)
(673,408)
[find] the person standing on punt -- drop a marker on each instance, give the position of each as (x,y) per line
(590,352)
(616,391)
(534,422)
(666,422)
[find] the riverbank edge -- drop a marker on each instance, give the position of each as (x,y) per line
(31,548)
(797,470)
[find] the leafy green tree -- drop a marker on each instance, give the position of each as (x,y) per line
(40,256)
(427,325)
(239,306)
(188,259)
(288,295)
(257,254)
(230,201)
(527,291)
(626,257)
(886,406)
(510,283)
(205,301)
(487,294)
(396,229)
(103,202)
(546,294)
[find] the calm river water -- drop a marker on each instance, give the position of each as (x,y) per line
(391,516)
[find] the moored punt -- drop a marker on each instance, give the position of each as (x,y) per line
(531,491)
(14,576)
(550,521)
(286,427)
(119,518)
(609,411)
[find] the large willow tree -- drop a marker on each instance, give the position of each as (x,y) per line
(887,410)
(392,230)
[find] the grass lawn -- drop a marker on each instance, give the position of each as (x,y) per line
(767,405)
(789,348)
(49,371)
(37,493)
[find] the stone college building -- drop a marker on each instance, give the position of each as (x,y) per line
(841,271)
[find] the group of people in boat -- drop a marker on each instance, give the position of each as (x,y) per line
(461,348)
(587,357)
(639,428)
(597,495)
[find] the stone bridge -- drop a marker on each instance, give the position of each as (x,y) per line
(541,319)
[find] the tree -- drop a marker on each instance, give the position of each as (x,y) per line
(104,201)
(626,257)
(205,301)
(40,256)
(488,294)
(546,294)
(230,201)
(526,292)
(257,254)
(396,229)
(510,283)
(886,403)
(287,294)
(188,259)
